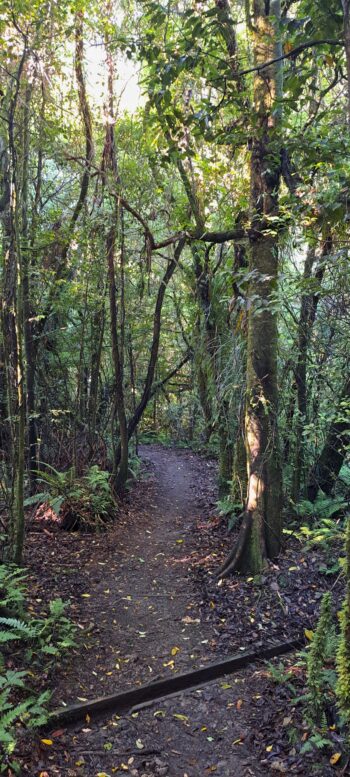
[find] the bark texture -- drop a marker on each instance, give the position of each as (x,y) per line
(260,535)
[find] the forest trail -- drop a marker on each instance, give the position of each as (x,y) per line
(141,603)
(140,609)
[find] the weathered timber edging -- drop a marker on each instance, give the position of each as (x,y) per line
(121,703)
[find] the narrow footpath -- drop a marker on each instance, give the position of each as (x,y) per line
(138,609)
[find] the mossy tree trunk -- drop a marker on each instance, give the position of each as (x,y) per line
(264,466)
(260,534)
(343,655)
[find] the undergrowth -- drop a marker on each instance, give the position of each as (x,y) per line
(324,526)
(33,645)
(85,502)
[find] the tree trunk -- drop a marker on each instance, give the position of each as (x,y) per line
(239,472)
(326,470)
(346,24)
(260,534)
(97,333)
(120,463)
(264,467)
(15,260)
(309,303)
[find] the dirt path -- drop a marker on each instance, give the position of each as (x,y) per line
(140,601)
(139,611)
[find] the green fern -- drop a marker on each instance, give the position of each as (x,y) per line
(16,629)
(89,497)
(12,588)
(7,720)
(46,638)
(13,679)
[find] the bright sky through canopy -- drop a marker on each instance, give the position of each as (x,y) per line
(127,90)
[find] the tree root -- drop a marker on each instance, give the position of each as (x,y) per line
(232,561)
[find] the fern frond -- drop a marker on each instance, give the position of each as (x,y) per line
(20,629)
(14,714)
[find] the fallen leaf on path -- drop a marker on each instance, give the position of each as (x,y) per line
(335,758)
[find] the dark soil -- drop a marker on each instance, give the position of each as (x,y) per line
(147,605)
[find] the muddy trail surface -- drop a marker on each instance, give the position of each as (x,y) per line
(138,608)
(146,604)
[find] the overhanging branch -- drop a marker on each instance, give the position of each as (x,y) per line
(288,55)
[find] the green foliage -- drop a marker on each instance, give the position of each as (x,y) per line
(326,533)
(343,654)
(32,712)
(323,530)
(134,468)
(14,629)
(12,587)
(317,740)
(230,510)
(89,498)
(280,675)
(318,662)
(320,678)
(54,635)
(38,641)
(323,508)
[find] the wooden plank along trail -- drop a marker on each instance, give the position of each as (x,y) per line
(121,703)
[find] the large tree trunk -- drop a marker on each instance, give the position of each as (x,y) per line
(264,466)
(260,535)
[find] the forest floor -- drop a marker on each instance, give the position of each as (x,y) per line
(146,605)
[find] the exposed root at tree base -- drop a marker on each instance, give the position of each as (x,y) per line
(233,560)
